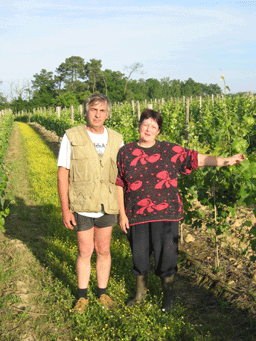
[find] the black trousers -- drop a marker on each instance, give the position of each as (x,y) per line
(160,237)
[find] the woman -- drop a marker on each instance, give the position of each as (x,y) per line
(149,201)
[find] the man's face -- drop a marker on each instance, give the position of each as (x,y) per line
(97,115)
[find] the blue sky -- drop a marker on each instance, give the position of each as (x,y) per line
(176,39)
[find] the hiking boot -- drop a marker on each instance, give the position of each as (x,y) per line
(141,290)
(80,305)
(106,301)
(168,303)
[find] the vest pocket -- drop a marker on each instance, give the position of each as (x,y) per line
(80,195)
(81,171)
(77,194)
(79,151)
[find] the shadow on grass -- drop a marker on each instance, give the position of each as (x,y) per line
(39,226)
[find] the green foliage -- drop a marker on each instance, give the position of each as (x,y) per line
(65,100)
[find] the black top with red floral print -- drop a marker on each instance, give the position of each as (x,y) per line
(149,177)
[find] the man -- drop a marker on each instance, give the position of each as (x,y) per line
(86,183)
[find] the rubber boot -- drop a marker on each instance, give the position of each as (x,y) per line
(141,292)
(168,303)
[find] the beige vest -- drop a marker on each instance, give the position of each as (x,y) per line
(92,179)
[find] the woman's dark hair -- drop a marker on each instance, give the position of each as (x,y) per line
(149,113)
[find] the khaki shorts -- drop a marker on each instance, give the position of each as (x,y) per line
(84,223)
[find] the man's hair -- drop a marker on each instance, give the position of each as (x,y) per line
(149,113)
(96,98)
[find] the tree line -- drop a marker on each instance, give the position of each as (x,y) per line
(74,80)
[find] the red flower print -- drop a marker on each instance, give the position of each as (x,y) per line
(143,157)
(164,175)
(136,185)
(181,153)
(147,204)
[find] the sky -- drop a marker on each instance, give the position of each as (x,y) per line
(177,39)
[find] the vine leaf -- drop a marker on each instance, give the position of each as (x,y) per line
(240,146)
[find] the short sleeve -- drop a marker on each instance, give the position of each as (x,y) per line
(190,161)
(185,159)
(64,153)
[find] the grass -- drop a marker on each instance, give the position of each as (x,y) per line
(45,262)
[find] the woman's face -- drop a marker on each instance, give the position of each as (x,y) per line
(148,130)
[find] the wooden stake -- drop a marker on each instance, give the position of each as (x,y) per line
(72,113)
(138,109)
(133,107)
(186,120)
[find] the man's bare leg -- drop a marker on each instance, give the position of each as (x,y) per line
(102,239)
(85,242)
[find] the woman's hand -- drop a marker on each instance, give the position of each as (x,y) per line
(123,222)
(236,159)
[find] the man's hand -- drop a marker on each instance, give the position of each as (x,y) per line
(123,222)
(68,220)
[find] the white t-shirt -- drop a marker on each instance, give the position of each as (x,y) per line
(100,142)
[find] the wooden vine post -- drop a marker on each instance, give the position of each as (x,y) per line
(72,114)
(252,98)
(186,121)
(133,108)
(81,110)
(216,260)
(138,109)
(185,142)
(159,105)
(200,109)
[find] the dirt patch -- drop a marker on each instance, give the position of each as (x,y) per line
(235,279)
